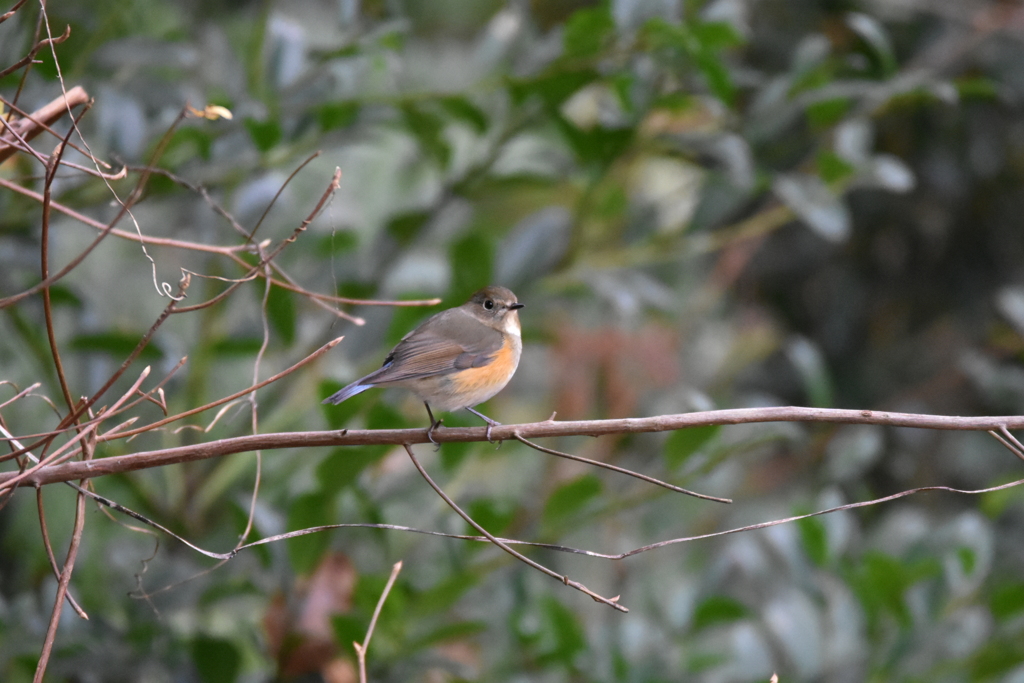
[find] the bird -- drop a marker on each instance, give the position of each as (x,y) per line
(455,359)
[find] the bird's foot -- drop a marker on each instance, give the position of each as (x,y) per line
(491,424)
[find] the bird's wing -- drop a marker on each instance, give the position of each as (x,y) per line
(450,341)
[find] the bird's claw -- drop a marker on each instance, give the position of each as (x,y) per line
(430,434)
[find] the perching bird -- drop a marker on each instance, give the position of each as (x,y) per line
(455,359)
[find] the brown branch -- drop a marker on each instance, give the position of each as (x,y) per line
(123,234)
(31,125)
(27,59)
(254,271)
(238,394)
(546,429)
(125,209)
(41,511)
(10,13)
(62,588)
(76,444)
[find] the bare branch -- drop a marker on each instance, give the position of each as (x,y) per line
(62,586)
(548,428)
(620,470)
(611,602)
(27,59)
(361,649)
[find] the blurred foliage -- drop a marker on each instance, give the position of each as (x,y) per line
(718,203)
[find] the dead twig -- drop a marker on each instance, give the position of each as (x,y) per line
(362,648)
(620,470)
(611,602)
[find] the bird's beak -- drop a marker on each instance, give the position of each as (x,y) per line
(514,306)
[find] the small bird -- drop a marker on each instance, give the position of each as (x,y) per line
(455,359)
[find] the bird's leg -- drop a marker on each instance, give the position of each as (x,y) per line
(490,423)
(434,424)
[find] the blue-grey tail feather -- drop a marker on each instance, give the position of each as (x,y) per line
(348,392)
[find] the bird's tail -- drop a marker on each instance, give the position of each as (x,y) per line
(348,392)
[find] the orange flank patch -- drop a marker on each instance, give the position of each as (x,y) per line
(489,378)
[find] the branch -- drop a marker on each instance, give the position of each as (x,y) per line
(365,645)
(548,428)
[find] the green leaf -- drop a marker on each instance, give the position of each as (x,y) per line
(339,415)
(827,113)
(453,454)
(472,265)
(337,115)
(464,110)
(236,346)
(457,631)
(717,76)
(62,295)
(968,559)
(338,242)
(661,34)
(264,134)
(996,657)
(588,32)
(309,510)
(570,498)
(683,443)
(1007,601)
(495,515)
(882,581)
(875,37)
(281,312)
(703,661)
(187,143)
(717,609)
(598,146)
(405,226)
(832,167)
(216,660)
(383,416)
(716,35)
(343,466)
(368,591)
(553,89)
(348,629)
(814,537)
(117,344)
(442,596)
(562,636)
(978,88)
(428,130)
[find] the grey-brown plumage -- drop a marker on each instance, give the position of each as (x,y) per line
(455,359)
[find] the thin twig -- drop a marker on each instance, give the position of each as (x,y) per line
(611,602)
(361,649)
(62,588)
(238,394)
(1004,437)
(10,13)
(620,470)
(82,255)
(41,512)
(27,59)
(332,187)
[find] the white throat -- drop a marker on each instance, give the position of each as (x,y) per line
(512,325)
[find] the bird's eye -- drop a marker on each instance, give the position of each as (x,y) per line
(488,304)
